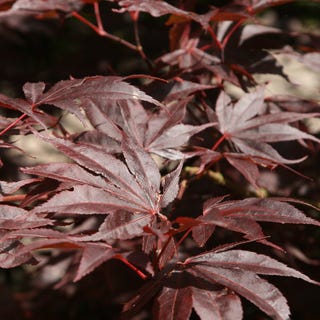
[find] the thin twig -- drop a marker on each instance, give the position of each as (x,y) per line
(139,45)
(98,16)
(104,33)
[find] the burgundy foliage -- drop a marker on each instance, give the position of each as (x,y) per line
(126,190)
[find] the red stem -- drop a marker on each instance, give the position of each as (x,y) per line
(216,145)
(16,197)
(231,32)
(103,33)
(87,22)
(183,237)
(12,124)
(214,37)
(131,266)
(98,16)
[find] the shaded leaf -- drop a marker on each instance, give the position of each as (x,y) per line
(261,293)
(93,256)
(174,303)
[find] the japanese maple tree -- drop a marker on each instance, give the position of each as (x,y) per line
(167,176)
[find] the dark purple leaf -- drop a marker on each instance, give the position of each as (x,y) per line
(246,125)
(247,167)
(246,283)
(202,233)
(143,168)
(173,303)
(11,187)
(247,260)
(14,218)
(24,107)
(170,185)
(180,90)
(121,182)
(10,256)
(84,199)
(66,172)
(93,255)
(160,8)
(119,225)
(266,210)
(72,95)
(220,305)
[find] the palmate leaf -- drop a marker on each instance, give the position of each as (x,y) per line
(72,95)
(238,269)
(121,225)
(13,218)
(103,183)
(243,216)
(247,126)
(159,132)
(198,283)
(93,254)
(122,185)
(160,8)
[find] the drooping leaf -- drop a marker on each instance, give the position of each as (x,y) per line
(24,107)
(66,172)
(72,95)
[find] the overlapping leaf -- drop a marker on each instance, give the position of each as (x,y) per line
(12,218)
(238,269)
(196,283)
(92,254)
(103,183)
(250,129)
(161,132)
(72,95)
(242,216)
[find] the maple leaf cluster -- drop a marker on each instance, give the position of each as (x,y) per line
(126,187)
